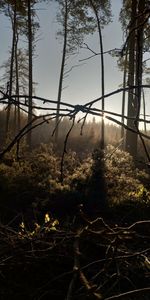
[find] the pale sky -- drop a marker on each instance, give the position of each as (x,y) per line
(83,83)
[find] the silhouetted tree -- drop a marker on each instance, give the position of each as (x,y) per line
(15,11)
(102,14)
(20,78)
(76,23)
(136,13)
(13,21)
(30,40)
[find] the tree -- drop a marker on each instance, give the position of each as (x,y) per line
(102,14)
(13,21)
(124,95)
(136,13)
(30,39)
(30,31)
(75,22)
(65,11)
(15,11)
(130,145)
(19,80)
(21,14)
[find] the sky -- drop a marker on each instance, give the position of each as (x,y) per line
(84,82)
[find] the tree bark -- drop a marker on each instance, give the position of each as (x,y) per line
(131,146)
(17,108)
(61,71)
(102,144)
(144,111)
(29,137)
(124,96)
(134,105)
(11,68)
(139,60)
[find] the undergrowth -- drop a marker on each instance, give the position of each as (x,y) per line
(103,181)
(84,238)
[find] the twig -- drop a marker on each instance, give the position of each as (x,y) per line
(97,53)
(65,150)
(71,111)
(59,121)
(76,266)
(139,292)
(84,119)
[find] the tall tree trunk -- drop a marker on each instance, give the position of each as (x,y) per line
(123,96)
(144,111)
(134,111)
(61,71)
(13,19)
(102,73)
(139,60)
(131,146)
(17,107)
(29,141)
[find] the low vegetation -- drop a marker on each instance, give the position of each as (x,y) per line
(85,237)
(32,184)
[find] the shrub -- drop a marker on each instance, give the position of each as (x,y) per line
(123,179)
(32,185)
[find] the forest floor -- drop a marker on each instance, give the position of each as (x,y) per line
(65,240)
(80,260)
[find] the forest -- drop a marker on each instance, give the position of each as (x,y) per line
(74,174)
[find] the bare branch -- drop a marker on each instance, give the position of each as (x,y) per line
(65,150)
(97,53)
(139,292)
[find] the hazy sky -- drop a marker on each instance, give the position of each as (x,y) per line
(83,83)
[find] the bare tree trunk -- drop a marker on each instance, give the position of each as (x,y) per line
(13,19)
(144,111)
(135,105)
(30,73)
(130,136)
(139,62)
(17,108)
(62,70)
(124,96)
(102,73)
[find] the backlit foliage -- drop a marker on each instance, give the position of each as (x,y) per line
(48,225)
(123,178)
(32,185)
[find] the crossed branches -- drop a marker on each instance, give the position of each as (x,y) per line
(71,111)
